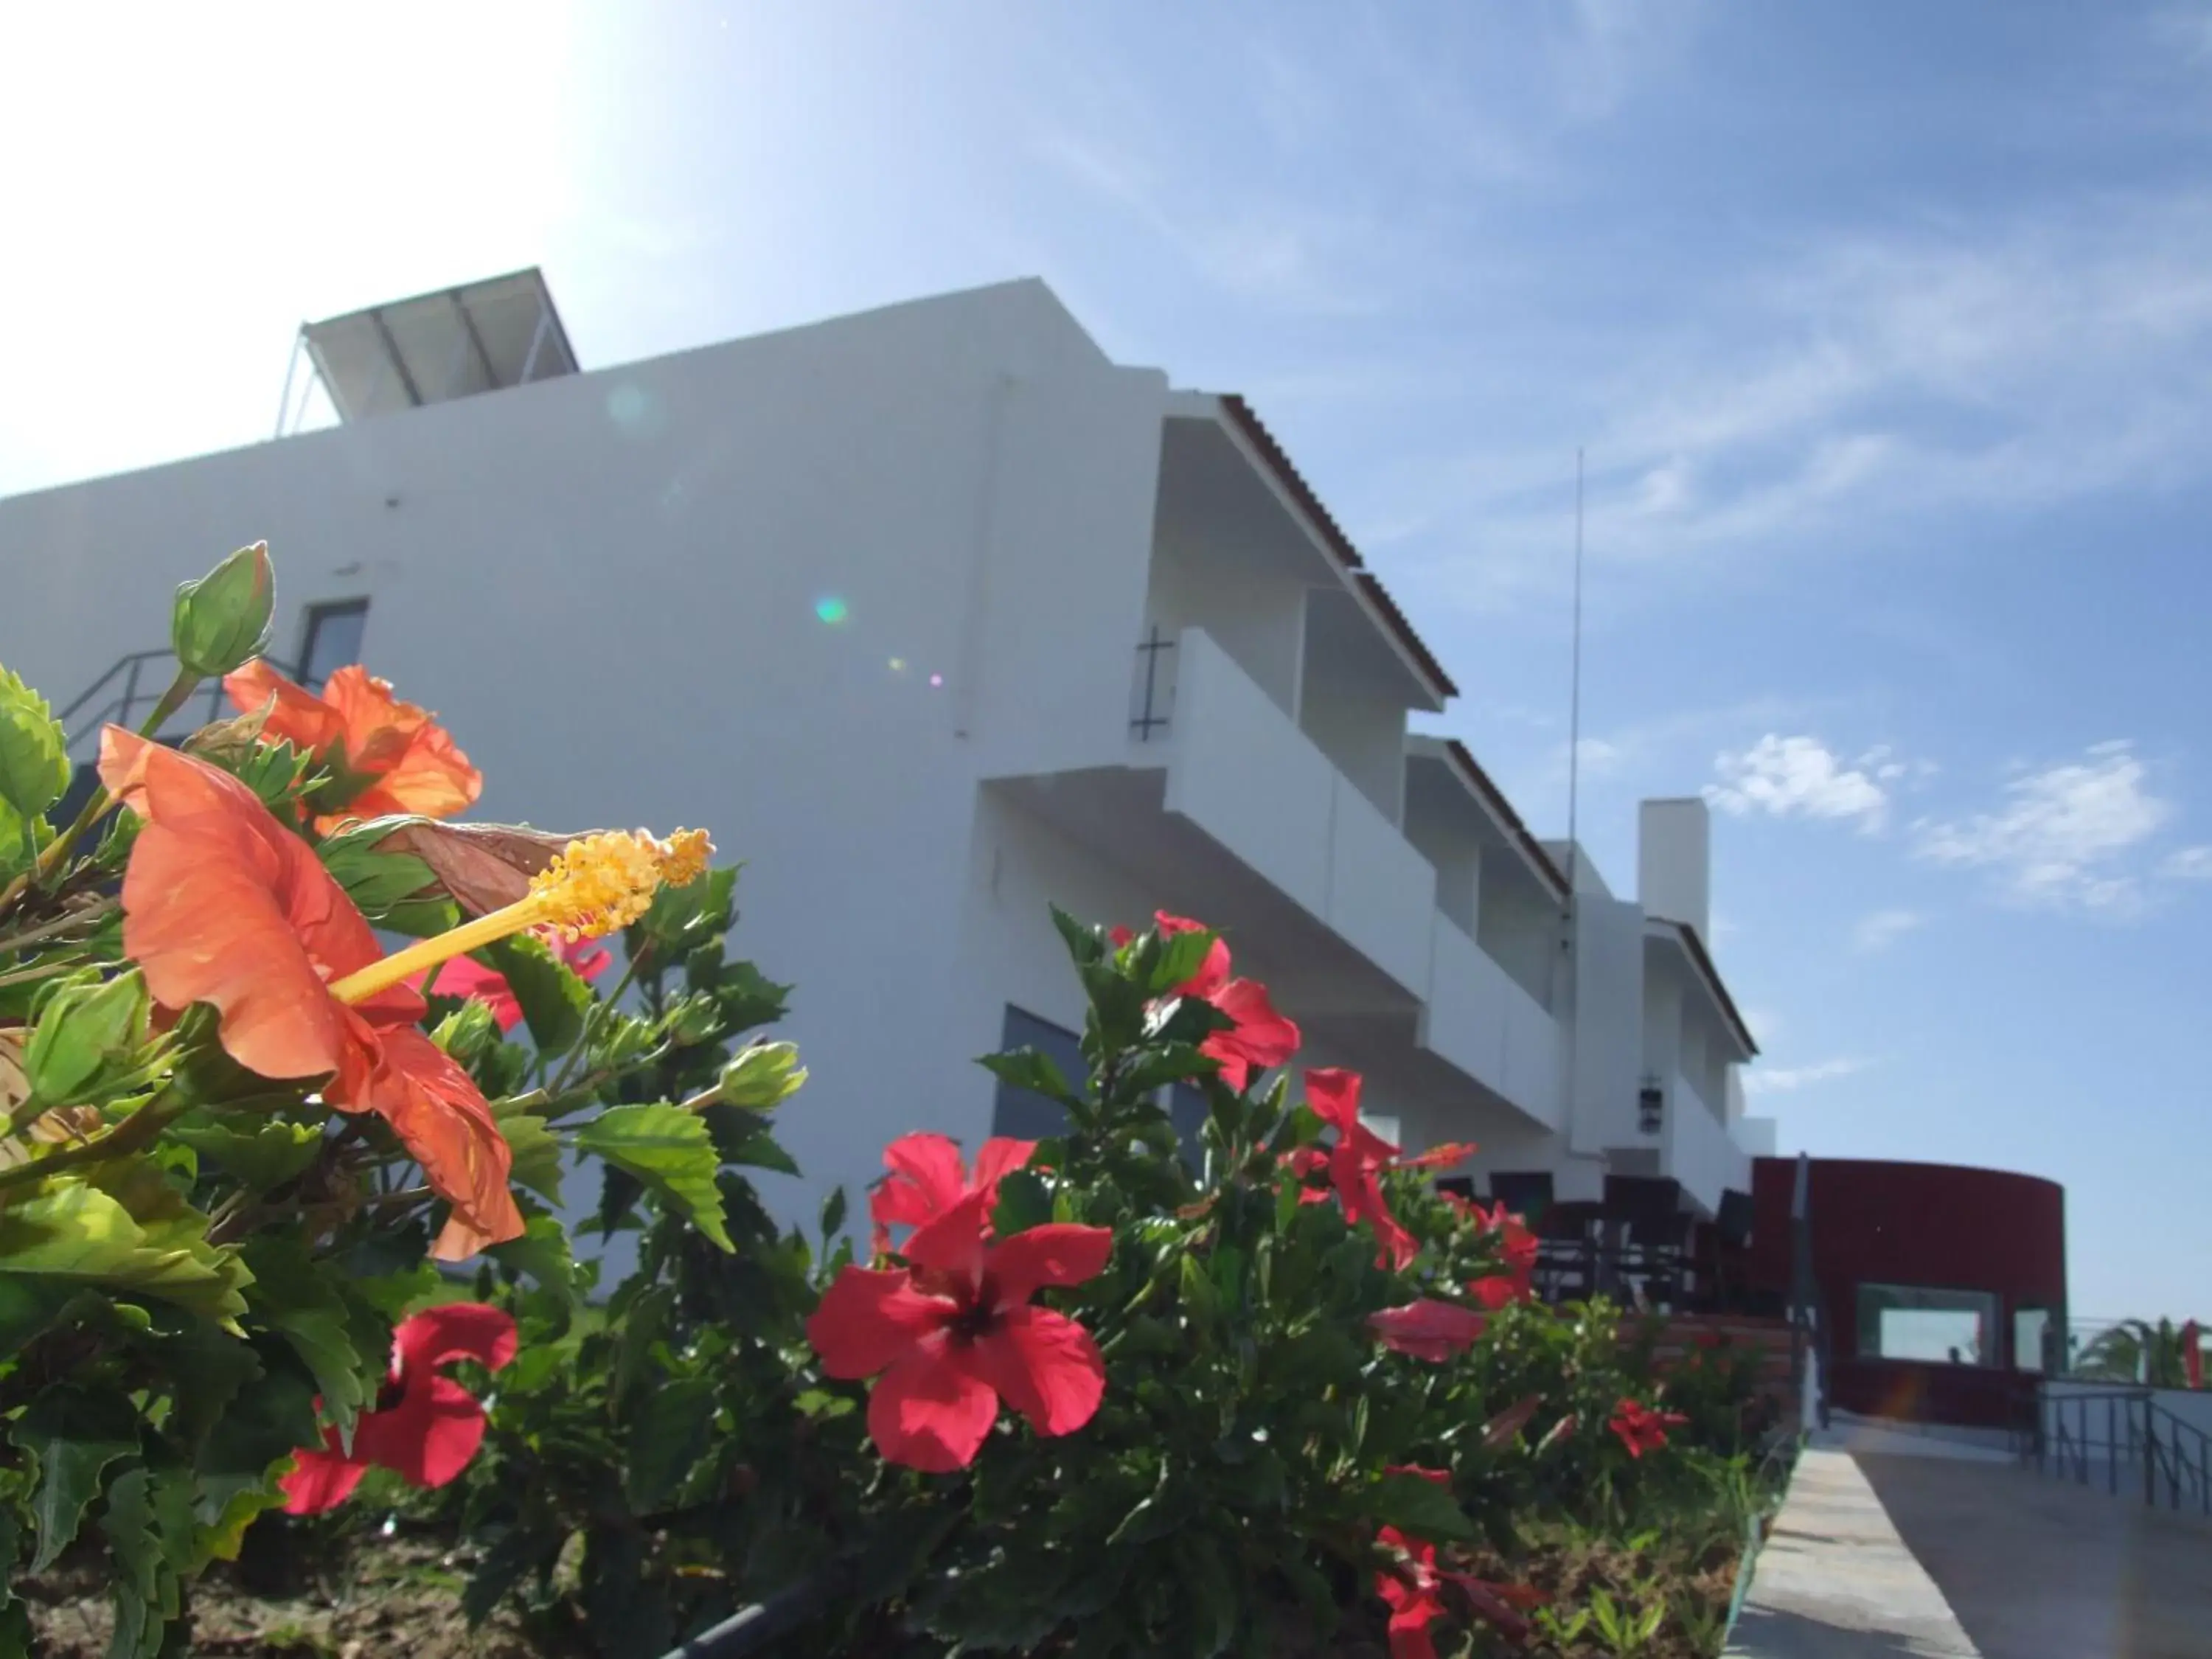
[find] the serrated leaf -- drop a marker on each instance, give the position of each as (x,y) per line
(34,767)
(75,1433)
(1085,943)
(209,1367)
(1419,1508)
(76,1231)
(554,998)
(267,1155)
(291,1297)
(669,1150)
(833,1212)
(134,1548)
(1030,1069)
(1181,955)
(543,1253)
(667,1442)
(741,1138)
(536,1152)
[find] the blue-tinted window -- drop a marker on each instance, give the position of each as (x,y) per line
(1187,1110)
(332,641)
(1022,1113)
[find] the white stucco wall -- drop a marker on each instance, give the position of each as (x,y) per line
(607,586)
(1674,862)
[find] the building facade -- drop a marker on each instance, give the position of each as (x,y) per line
(936,617)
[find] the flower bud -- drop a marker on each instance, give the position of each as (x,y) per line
(762,1077)
(222,620)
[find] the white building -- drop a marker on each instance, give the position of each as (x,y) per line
(935,614)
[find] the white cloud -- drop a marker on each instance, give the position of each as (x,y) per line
(2066,836)
(1783,1079)
(1797,777)
(1879,929)
(2187,864)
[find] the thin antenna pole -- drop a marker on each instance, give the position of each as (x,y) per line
(1575,695)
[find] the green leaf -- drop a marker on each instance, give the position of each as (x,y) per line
(670,1440)
(1024,1201)
(541,1253)
(504,1564)
(669,1150)
(267,1155)
(1030,1069)
(554,999)
(248,1448)
(292,1298)
(208,1368)
(537,1152)
(377,881)
(833,1212)
(134,1547)
(1420,1509)
(82,1030)
(1181,955)
(29,1307)
(1085,943)
(73,1230)
(34,767)
(740,1138)
(75,1433)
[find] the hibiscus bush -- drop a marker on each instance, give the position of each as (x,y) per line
(1101,1394)
(260,1106)
(365,1168)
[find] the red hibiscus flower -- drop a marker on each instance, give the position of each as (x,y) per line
(927,1178)
(1260,1039)
(1413,1587)
(222,904)
(1356,1162)
(425,1427)
(1428,1328)
(463,976)
(387,755)
(953,1334)
(1642,1429)
(1444,1155)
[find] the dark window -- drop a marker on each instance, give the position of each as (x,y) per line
(1022,1113)
(1187,1111)
(332,640)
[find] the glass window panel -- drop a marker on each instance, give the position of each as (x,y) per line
(334,635)
(1914,1321)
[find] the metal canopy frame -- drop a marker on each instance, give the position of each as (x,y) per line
(451,343)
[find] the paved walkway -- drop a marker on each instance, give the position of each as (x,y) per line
(1878,1555)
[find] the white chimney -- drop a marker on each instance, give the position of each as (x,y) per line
(1675,862)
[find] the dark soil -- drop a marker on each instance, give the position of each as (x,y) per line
(403,1596)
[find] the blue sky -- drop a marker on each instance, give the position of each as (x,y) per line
(1887,328)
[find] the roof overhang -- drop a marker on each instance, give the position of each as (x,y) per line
(1490,800)
(1269,459)
(1684,938)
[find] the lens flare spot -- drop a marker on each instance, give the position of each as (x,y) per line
(936,680)
(898,665)
(830,608)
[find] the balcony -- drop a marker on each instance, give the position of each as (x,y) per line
(1699,1152)
(1482,1022)
(1239,769)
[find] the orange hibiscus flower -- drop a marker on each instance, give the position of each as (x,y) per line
(223,905)
(386,755)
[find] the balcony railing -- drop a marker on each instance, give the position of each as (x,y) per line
(130,689)
(1699,1152)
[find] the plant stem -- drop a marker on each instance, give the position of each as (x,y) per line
(128,1136)
(592,1019)
(57,850)
(46,930)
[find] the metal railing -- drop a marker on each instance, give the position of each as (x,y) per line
(132,686)
(1152,697)
(2144,1446)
